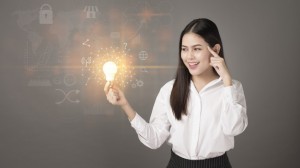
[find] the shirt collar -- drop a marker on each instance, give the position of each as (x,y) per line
(209,84)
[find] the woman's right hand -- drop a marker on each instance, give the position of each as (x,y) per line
(114,95)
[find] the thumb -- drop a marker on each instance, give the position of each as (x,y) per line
(107,87)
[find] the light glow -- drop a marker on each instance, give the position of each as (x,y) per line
(110,69)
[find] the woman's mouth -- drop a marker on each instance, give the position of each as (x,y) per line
(193,65)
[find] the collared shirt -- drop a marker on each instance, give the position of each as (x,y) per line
(214,116)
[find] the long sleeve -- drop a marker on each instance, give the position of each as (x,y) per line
(154,133)
(234,117)
(215,115)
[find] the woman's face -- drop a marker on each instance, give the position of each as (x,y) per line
(194,54)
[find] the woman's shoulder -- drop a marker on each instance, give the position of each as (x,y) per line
(167,87)
(236,81)
(168,84)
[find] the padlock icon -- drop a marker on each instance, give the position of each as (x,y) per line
(91,11)
(46,14)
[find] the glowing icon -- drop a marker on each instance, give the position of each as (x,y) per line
(69,80)
(91,11)
(133,85)
(86,61)
(110,70)
(125,46)
(46,14)
(93,71)
(86,43)
(143,55)
(67,96)
(138,83)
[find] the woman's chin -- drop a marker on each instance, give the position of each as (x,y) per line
(194,72)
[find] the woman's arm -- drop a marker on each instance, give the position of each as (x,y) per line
(151,134)
(116,97)
(234,117)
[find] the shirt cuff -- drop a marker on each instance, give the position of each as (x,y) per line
(230,94)
(138,123)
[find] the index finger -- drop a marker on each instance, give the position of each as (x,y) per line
(212,52)
(107,87)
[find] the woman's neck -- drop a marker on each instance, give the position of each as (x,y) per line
(201,80)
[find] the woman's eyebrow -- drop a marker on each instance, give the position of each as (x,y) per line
(196,45)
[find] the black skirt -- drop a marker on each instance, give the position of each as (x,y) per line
(217,162)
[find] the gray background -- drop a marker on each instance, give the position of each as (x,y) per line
(261,49)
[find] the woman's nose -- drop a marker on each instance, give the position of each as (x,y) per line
(191,54)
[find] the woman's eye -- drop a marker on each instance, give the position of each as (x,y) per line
(183,49)
(197,49)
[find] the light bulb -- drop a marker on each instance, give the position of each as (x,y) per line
(110,70)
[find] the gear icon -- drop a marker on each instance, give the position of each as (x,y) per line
(133,85)
(139,83)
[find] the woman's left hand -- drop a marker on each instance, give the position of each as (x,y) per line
(219,64)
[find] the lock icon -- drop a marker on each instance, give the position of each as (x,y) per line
(46,14)
(91,11)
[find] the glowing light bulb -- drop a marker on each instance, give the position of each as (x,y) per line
(110,70)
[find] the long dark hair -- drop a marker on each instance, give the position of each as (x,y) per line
(180,92)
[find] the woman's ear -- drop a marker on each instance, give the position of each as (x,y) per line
(217,48)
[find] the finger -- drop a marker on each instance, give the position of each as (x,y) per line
(116,94)
(219,63)
(111,97)
(120,94)
(216,67)
(216,58)
(212,52)
(107,87)
(213,61)
(215,64)
(114,89)
(212,64)
(115,98)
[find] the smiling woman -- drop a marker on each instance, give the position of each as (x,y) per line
(194,52)
(200,111)
(196,60)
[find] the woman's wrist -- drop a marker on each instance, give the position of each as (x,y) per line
(128,110)
(227,81)
(125,105)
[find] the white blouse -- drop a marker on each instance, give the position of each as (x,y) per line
(214,116)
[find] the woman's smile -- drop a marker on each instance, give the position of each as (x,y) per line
(193,65)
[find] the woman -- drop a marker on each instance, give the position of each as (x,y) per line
(200,111)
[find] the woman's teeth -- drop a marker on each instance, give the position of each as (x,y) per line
(193,63)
